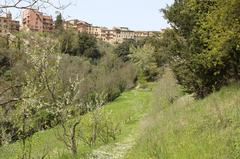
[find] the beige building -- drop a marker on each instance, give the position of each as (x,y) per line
(78,25)
(82,26)
(107,35)
(8,25)
(113,36)
(123,33)
(34,20)
(142,34)
(97,31)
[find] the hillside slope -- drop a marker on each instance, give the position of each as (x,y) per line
(191,129)
(157,123)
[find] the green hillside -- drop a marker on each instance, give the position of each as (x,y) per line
(159,122)
(192,129)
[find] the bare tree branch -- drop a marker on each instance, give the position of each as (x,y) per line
(24,4)
(10,88)
(20,98)
(32,4)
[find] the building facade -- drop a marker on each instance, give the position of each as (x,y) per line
(78,25)
(34,20)
(8,25)
(47,23)
(114,36)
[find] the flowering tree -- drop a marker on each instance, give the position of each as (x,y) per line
(45,98)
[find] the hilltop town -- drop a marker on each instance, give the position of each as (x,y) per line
(36,21)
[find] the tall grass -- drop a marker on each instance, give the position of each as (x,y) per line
(184,128)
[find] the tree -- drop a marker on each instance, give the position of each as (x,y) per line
(144,59)
(157,42)
(123,49)
(4,61)
(32,100)
(205,43)
(67,40)
(59,23)
(46,99)
(86,46)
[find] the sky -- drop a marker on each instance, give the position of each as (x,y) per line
(142,15)
(135,14)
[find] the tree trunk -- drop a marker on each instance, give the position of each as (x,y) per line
(73,138)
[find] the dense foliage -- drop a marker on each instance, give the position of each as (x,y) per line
(123,49)
(80,44)
(204,43)
(50,79)
(59,23)
(42,87)
(146,54)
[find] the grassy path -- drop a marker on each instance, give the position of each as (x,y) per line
(114,151)
(128,109)
(139,99)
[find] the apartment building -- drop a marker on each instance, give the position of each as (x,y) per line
(8,25)
(82,26)
(78,25)
(123,33)
(114,36)
(97,31)
(47,23)
(142,34)
(34,20)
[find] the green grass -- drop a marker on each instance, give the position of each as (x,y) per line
(191,129)
(128,109)
(166,124)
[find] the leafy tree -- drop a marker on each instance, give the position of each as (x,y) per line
(83,44)
(4,61)
(123,49)
(59,22)
(205,42)
(87,46)
(4,43)
(144,59)
(158,42)
(67,40)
